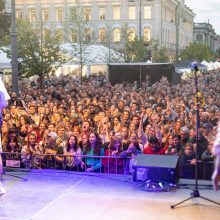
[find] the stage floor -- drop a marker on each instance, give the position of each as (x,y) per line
(59,195)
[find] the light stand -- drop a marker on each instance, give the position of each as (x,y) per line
(195,193)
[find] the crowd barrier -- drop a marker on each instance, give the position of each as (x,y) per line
(102,164)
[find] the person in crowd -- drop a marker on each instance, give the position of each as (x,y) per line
(53,155)
(188,162)
(73,155)
(94,148)
(112,164)
(184,134)
(30,153)
(154,147)
(12,149)
(174,147)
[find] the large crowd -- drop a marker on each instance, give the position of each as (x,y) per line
(69,123)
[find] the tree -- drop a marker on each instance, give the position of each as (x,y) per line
(217,54)
(5,20)
(133,48)
(197,51)
(82,35)
(160,55)
(38,51)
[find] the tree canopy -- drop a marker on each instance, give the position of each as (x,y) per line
(38,50)
(5,20)
(197,51)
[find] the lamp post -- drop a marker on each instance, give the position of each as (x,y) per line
(14,55)
(177,23)
(140,21)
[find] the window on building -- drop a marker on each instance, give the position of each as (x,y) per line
(46,33)
(60,35)
(131,12)
(87,14)
(45,15)
(32,15)
(73,36)
(117,35)
(147,12)
(131,34)
(102,13)
(59,14)
(199,37)
(102,35)
(147,34)
(19,14)
(88,35)
(116,12)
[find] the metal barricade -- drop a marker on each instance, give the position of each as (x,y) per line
(98,164)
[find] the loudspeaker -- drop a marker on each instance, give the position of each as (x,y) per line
(155,167)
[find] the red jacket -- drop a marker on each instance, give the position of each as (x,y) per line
(150,150)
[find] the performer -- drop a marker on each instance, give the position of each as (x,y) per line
(216,151)
(4,97)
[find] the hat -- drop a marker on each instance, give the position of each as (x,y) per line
(53,135)
(185,129)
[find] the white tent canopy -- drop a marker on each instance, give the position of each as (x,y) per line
(92,53)
(5,62)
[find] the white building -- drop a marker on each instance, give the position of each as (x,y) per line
(170,22)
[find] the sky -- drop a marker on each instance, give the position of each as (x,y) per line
(206,9)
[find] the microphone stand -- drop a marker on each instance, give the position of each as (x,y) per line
(195,193)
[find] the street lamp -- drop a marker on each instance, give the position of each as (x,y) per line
(14,55)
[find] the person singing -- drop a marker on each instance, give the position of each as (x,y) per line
(216,151)
(4,97)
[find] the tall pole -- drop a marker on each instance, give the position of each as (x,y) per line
(14,55)
(140,5)
(177,21)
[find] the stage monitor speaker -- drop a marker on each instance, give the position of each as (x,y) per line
(155,167)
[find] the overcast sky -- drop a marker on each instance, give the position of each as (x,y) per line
(206,9)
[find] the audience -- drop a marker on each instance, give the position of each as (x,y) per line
(69,121)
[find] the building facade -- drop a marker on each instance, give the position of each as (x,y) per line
(204,33)
(169,22)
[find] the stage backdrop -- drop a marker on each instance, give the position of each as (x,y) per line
(130,72)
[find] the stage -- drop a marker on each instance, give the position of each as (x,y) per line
(60,195)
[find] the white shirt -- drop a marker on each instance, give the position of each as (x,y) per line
(4,96)
(216,145)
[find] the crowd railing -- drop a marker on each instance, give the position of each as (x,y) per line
(97,164)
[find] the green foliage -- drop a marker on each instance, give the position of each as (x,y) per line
(82,35)
(136,50)
(160,55)
(38,50)
(133,50)
(217,54)
(197,51)
(5,20)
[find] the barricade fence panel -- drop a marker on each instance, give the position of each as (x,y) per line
(97,164)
